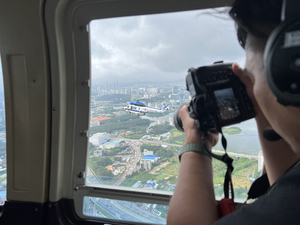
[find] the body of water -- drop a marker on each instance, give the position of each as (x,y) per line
(247,142)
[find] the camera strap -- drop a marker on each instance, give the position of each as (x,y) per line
(227,160)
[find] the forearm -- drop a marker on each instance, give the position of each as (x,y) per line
(193,201)
(278,156)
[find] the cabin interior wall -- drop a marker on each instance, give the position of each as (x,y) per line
(27,99)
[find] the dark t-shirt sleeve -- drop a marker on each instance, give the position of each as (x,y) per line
(281,204)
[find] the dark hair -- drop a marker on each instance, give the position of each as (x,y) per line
(255,20)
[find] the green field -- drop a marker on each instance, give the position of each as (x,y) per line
(231,130)
(161,176)
(126,122)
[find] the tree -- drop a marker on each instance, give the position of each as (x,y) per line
(102,171)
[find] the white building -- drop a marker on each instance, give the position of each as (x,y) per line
(121,168)
(94,123)
(99,138)
(147,152)
(260,161)
(98,153)
(166,135)
(147,165)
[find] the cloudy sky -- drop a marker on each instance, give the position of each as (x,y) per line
(160,47)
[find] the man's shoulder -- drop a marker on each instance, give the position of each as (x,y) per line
(280,205)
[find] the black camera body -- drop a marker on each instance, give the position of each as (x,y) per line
(218,98)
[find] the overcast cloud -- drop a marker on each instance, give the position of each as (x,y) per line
(161,47)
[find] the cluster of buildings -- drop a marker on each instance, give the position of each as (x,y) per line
(160,122)
(151,184)
(129,132)
(109,145)
(101,141)
(115,169)
(119,158)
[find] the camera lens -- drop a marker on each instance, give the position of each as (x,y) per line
(177,120)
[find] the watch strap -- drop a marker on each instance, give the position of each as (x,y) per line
(192,148)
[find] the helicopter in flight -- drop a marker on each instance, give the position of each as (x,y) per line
(141,108)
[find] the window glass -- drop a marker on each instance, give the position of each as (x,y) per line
(125,210)
(143,61)
(3,180)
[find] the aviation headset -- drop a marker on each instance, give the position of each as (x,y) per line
(282,54)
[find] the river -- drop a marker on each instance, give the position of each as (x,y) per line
(247,142)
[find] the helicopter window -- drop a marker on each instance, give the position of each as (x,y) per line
(3,180)
(117,209)
(127,151)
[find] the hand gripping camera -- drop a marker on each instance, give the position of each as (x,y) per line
(218,98)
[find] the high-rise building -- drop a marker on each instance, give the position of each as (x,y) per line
(99,91)
(146,164)
(260,161)
(171,121)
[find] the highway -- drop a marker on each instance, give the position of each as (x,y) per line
(124,210)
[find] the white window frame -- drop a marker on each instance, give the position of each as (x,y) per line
(68,36)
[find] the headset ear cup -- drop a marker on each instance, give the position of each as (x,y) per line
(281,62)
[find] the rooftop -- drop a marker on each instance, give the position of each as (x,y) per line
(100,119)
(150,157)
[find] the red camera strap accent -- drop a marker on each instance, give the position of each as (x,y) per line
(225,207)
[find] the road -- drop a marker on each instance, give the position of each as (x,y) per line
(125,211)
(136,159)
(132,165)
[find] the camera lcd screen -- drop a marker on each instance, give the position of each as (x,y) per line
(227,104)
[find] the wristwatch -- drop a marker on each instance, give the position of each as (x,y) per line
(192,148)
